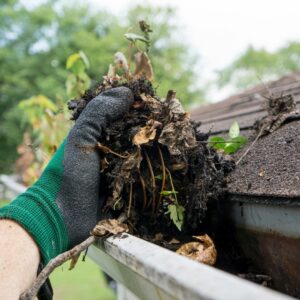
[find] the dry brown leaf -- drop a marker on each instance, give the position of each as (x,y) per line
(130,163)
(176,111)
(121,61)
(146,133)
(104,164)
(109,226)
(203,251)
(143,66)
(158,237)
(178,135)
(174,241)
(153,104)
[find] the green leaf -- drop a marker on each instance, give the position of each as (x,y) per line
(234,144)
(84,59)
(230,148)
(38,101)
(176,212)
(72,59)
(158,177)
(132,37)
(216,142)
(77,63)
(234,130)
(168,193)
(241,140)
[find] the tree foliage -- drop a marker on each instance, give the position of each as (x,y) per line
(258,64)
(35,43)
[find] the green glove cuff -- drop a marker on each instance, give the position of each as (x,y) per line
(37,212)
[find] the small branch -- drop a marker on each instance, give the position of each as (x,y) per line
(144,191)
(106,150)
(172,185)
(152,179)
(130,200)
(170,95)
(130,56)
(251,146)
(31,293)
(163,176)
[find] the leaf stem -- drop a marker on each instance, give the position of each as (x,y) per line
(163,176)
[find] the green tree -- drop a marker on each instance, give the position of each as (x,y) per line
(258,64)
(35,43)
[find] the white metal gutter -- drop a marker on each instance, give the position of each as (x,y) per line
(152,272)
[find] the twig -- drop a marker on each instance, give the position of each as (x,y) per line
(152,179)
(170,95)
(145,202)
(131,44)
(251,146)
(31,293)
(130,200)
(106,150)
(163,176)
(172,185)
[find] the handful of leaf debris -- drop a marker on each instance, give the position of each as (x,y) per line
(156,168)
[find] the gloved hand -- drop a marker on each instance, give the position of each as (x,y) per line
(62,207)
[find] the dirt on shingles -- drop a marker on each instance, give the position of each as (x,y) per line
(272,167)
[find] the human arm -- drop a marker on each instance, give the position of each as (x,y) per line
(19,260)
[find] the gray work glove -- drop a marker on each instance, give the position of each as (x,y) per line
(62,207)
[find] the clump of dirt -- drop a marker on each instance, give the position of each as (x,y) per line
(157,171)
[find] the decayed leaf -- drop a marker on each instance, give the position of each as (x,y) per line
(111,71)
(143,66)
(174,241)
(146,133)
(121,61)
(158,237)
(111,226)
(176,111)
(104,164)
(130,163)
(153,104)
(178,135)
(203,251)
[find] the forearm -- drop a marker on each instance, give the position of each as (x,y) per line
(19,260)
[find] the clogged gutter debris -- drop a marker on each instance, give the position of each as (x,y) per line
(157,170)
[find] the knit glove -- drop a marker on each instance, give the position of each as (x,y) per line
(62,207)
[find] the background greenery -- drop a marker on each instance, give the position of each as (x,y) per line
(256,65)
(35,43)
(85,282)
